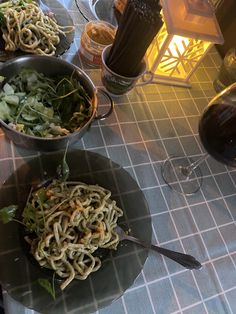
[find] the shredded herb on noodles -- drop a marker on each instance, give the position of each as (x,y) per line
(71,220)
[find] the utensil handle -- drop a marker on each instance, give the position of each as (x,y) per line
(147,78)
(109,112)
(188,261)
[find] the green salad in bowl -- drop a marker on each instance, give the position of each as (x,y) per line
(46,102)
(36,105)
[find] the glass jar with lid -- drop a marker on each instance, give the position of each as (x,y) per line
(96,36)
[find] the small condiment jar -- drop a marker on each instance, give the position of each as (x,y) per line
(96,36)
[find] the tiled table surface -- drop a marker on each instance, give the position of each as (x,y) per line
(147,125)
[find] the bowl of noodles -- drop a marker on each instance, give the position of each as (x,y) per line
(47,103)
(78,216)
(42,27)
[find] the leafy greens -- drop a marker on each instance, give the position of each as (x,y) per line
(30,221)
(36,105)
(49,287)
(7,213)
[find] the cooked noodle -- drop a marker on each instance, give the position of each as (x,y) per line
(72,220)
(27,28)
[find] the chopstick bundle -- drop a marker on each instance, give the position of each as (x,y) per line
(138,26)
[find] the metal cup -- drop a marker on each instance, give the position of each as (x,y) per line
(116,84)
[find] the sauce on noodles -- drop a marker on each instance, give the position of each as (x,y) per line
(70,221)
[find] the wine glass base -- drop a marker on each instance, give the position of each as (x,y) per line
(173,173)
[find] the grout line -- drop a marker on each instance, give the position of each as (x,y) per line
(193,276)
(155,235)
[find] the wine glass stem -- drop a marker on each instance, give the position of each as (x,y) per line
(187,171)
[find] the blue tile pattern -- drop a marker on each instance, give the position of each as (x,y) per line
(147,124)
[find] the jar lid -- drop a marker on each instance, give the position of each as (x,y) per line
(100,32)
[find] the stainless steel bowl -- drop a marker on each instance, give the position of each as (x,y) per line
(50,67)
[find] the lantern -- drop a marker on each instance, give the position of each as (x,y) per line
(189,30)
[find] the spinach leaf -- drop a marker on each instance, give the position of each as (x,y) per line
(41,195)
(2,19)
(45,283)
(63,169)
(7,213)
(29,218)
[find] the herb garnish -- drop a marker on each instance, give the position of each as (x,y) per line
(63,169)
(31,223)
(2,19)
(7,213)
(48,286)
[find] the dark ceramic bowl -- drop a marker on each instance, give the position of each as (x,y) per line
(19,275)
(50,67)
